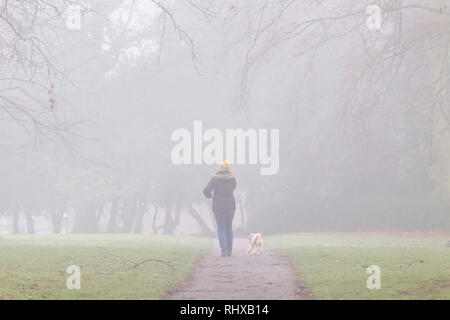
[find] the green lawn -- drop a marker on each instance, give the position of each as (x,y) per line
(334,265)
(34,267)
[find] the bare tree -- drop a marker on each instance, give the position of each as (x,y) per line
(32,70)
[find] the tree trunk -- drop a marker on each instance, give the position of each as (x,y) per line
(129,215)
(178,209)
(139,221)
(15,221)
(57,220)
(205,230)
(155,216)
(29,220)
(168,220)
(112,223)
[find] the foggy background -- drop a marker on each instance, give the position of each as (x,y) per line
(86,113)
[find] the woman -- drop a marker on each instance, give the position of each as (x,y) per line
(220,188)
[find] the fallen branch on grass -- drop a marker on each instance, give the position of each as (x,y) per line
(137,264)
(153,260)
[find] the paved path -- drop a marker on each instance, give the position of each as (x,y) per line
(241,277)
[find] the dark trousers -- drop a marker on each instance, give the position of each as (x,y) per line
(224,220)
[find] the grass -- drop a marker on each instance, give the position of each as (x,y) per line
(34,267)
(333,265)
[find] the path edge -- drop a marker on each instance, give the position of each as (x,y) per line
(176,287)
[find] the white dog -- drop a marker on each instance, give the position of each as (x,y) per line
(255,244)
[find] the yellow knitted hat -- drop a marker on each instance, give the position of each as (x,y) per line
(225,164)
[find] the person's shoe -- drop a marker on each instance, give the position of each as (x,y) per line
(223,254)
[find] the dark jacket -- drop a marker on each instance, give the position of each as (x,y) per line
(220,188)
